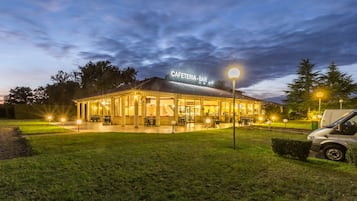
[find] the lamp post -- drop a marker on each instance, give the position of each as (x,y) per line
(233,74)
(319,95)
(340,101)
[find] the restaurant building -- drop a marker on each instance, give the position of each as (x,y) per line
(157,101)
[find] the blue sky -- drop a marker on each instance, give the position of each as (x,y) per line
(268,38)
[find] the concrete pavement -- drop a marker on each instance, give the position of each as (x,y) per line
(99,127)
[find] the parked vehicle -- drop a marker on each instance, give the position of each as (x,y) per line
(335,138)
(331,115)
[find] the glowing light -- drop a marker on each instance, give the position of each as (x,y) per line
(79,121)
(49,117)
(233,73)
(319,94)
(208,121)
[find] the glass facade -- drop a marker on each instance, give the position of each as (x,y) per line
(155,108)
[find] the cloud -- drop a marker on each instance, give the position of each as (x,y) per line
(268,38)
(164,38)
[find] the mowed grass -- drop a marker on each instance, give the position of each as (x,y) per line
(297,124)
(188,166)
(29,127)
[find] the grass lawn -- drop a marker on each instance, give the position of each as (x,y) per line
(29,127)
(298,124)
(189,166)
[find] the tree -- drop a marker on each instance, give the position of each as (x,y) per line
(63,90)
(40,95)
(299,95)
(338,86)
(128,75)
(102,75)
(20,95)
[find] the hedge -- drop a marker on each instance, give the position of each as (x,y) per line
(351,155)
(292,148)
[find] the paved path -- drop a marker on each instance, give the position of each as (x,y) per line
(99,127)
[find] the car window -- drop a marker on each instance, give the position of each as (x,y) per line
(349,127)
(340,120)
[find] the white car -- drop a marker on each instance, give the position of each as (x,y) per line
(334,139)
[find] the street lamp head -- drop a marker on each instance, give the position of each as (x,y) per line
(233,73)
(319,94)
(341,100)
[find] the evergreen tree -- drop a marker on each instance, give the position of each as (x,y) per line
(338,85)
(300,91)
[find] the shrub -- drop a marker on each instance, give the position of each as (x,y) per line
(351,155)
(293,148)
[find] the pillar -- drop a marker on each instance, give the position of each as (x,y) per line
(123,117)
(202,111)
(158,111)
(78,110)
(136,111)
(88,111)
(83,112)
(176,108)
(143,110)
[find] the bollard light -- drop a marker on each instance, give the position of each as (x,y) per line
(63,120)
(79,122)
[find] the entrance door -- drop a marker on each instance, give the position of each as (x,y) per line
(190,114)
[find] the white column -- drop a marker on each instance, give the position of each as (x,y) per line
(123,102)
(158,111)
(136,111)
(78,110)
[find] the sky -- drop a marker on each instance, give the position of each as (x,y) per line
(267,38)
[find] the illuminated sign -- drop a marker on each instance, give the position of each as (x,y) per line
(188,77)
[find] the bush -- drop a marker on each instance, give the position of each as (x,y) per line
(293,148)
(351,155)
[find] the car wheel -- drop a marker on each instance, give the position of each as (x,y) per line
(335,152)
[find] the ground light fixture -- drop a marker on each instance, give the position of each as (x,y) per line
(208,122)
(79,122)
(340,101)
(49,118)
(285,122)
(233,74)
(63,120)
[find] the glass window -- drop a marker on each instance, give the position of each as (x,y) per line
(210,108)
(130,105)
(167,106)
(150,106)
(350,126)
(117,107)
(105,104)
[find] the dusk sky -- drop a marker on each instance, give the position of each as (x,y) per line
(268,38)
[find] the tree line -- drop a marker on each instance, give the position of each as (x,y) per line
(96,78)
(89,79)
(333,87)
